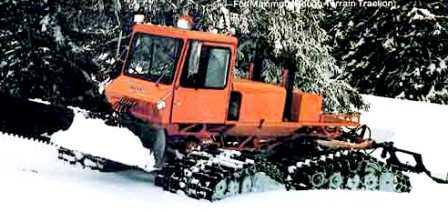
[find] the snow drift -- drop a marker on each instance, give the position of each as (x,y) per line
(94,137)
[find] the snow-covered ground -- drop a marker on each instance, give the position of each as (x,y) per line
(32,178)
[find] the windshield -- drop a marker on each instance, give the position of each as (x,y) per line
(153,58)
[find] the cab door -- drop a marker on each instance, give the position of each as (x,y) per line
(202,91)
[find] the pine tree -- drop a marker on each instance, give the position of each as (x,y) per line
(58,50)
(398,51)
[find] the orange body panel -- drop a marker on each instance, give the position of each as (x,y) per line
(306,107)
(260,101)
(200,106)
(145,94)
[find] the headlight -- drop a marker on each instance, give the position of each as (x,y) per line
(139,18)
(160,104)
(185,22)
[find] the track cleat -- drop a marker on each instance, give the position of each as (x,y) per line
(336,181)
(353,183)
(387,182)
(370,182)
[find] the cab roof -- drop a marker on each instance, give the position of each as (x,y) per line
(184,34)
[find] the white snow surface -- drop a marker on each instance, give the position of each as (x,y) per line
(94,137)
(33,179)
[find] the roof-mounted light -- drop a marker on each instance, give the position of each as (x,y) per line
(139,18)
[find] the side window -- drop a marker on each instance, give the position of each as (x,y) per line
(207,66)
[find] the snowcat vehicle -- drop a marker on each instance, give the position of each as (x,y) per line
(214,135)
(179,85)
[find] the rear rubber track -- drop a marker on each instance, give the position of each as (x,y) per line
(224,173)
(351,170)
